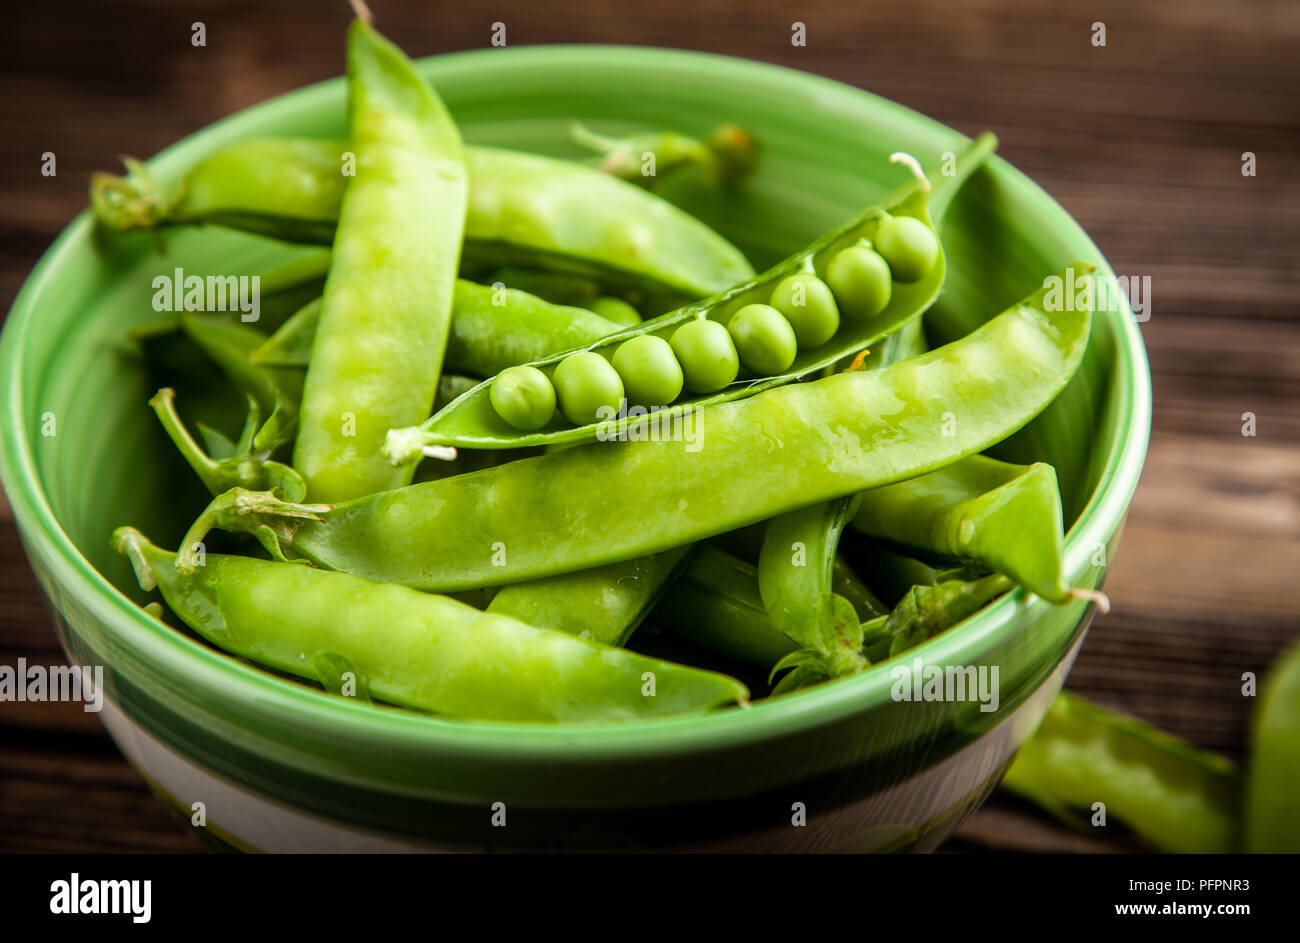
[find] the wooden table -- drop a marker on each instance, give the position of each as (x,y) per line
(1141,140)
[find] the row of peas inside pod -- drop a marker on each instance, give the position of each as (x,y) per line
(704,355)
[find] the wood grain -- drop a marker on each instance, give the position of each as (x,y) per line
(1140,140)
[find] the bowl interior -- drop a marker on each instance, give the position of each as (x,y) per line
(82,453)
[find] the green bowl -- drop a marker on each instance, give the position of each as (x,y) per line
(281,766)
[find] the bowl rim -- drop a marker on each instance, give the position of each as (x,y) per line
(285,704)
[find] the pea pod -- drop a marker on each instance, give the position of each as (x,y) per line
(789,447)
(556,287)
(1176,797)
(715,603)
(605,604)
(414,649)
(725,157)
(491,329)
(792,589)
(471,421)
(795,565)
(1273,779)
(386,311)
(982,512)
(524,210)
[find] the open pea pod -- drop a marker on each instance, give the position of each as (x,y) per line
(980,512)
(524,210)
(827,438)
(472,421)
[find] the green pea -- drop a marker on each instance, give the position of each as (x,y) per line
(584,382)
(764,338)
(707,355)
(650,372)
(616,310)
(809,306)
(860,278)
(523,397)
(909,246)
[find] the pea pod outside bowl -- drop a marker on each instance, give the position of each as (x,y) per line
(297,769)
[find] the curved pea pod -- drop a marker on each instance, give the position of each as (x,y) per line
(1174,796)
(414,649)
(471,421)
(846,582)
(605,604)
(980,512)
(536,212)
(796,562)
(491,329)
(1273,778)
(753,459)
(524,210)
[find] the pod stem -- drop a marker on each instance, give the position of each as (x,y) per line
(164,405)
(912,164)
(362,12)
(1094,596)
(402,446)
(273,522)
(130,543)
(133,201)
